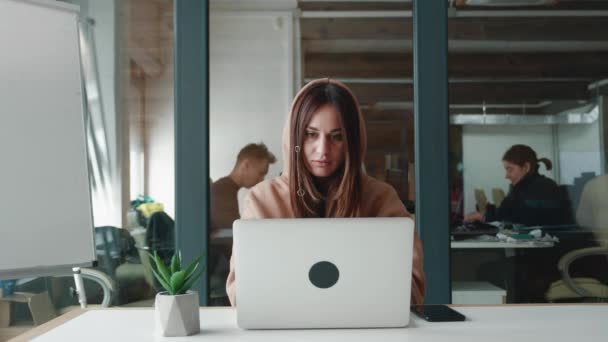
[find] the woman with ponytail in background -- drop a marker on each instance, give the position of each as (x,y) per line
(533,199)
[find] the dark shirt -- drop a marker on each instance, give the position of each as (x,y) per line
(224,203)
(534,200)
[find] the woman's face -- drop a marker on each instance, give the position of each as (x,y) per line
(324,145)
(514,172)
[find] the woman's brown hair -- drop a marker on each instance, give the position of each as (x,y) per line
(522,154)
(344,191)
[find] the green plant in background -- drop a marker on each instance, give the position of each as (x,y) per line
(172,277)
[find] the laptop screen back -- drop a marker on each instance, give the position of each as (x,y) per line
(323,273)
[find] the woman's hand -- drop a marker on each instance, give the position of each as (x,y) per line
(474,216)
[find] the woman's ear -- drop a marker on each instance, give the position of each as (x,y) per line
(527,167)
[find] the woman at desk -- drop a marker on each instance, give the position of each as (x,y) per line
(324,142)
(533,199)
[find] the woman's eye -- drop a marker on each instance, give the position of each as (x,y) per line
(311,134)
(337,137)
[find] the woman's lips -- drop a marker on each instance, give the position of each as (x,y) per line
(321,163)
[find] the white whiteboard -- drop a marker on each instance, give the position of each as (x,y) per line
(45,208)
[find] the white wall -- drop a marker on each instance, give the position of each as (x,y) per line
(251,81)
(136,143)
(161,136)
(483,148)
(579,150)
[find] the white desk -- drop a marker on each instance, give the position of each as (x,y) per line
(565,323)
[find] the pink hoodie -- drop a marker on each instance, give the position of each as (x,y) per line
(270,199)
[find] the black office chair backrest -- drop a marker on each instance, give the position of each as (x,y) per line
(160,235)
(112,245)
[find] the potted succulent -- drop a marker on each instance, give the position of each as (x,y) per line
(177,308)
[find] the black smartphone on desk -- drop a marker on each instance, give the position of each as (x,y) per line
(437,313)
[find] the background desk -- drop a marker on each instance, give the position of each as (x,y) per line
(222,237)
(564,323)
(225,236)
(499,244)
(506,258)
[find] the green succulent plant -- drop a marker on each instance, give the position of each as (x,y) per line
(172,277)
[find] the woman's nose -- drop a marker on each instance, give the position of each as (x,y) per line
(323,145)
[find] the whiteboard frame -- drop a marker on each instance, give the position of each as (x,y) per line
(57,270)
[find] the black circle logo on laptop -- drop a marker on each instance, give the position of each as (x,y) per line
(323,274)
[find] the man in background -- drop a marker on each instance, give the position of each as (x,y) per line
(250,168)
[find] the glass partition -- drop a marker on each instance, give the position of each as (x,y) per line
(527,158)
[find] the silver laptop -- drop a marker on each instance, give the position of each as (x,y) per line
(323,273)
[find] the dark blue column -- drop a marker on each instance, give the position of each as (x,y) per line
(191,24)
(431,144)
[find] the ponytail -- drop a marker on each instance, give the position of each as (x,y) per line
(522,154)
(547,162)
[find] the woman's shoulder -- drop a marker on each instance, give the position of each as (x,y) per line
(269,190)
(541,187)
(374,187)
(379,199)
(267,199)
(544,181)
(276,184)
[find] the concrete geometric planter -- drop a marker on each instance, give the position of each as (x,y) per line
(177,315)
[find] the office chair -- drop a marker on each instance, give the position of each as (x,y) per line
(118,257)
(35,294)
(142,250)
(107,284)
(157,237)
(579,288)
(107,248)
(591,213)
(160,235)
